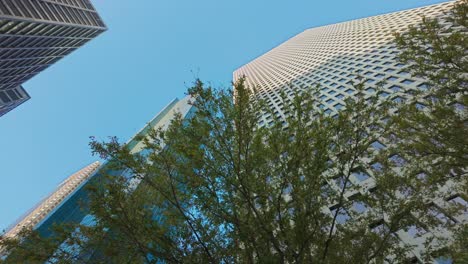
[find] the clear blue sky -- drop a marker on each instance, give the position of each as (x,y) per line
(119,81)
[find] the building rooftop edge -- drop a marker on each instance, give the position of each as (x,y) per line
(336,23)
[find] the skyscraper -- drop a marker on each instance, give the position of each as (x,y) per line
(74,210)
(68,204)
(39,213)
(333,57)
(34,34)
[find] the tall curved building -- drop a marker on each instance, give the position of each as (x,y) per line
(44,209)
(333,57)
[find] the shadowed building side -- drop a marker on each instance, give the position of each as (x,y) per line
(35,34)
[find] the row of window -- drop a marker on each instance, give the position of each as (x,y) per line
(294,55)
(15,81)
(50,11)
(27,63)
(9,27)
(22,71)
(39,42)
(77,3)
(332,92)
(357,207)
(10,95)
(36,53)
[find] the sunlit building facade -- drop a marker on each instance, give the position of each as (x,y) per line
(332,57)
(35,34)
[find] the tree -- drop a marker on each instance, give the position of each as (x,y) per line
(218,188)
(436,51)
(433,124)
(310,188)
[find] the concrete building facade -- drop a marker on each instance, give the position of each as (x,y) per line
(333,57)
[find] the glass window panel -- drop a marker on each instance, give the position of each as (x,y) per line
(377,145)
(360,175)
(342,216)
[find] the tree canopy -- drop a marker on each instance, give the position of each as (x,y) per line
(215,187)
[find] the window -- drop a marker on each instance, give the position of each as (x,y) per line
(338,106)
(359,207)
(422,176)
(379,76)
(340,182)
(459,107)
(397,160)
(458,201)
(379,227)
(377,145)
(419,106)
(423,86)
(383,94)
(342,216)
(395,88)
(360,175)
(4,97)
(415,231)
(370,90)
(398,99)
(377,166)
(437,213)
(12,95)
(403,73)
(326,190)
(407,81)
(443,260)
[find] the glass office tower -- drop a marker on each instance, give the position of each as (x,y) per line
(333,56)
(47,207)
(73,208)
(34,34)
(71,198)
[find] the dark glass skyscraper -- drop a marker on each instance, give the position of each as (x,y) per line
(34,34)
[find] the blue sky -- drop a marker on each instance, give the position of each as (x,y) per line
(151,53)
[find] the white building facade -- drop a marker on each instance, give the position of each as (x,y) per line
(333,57)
